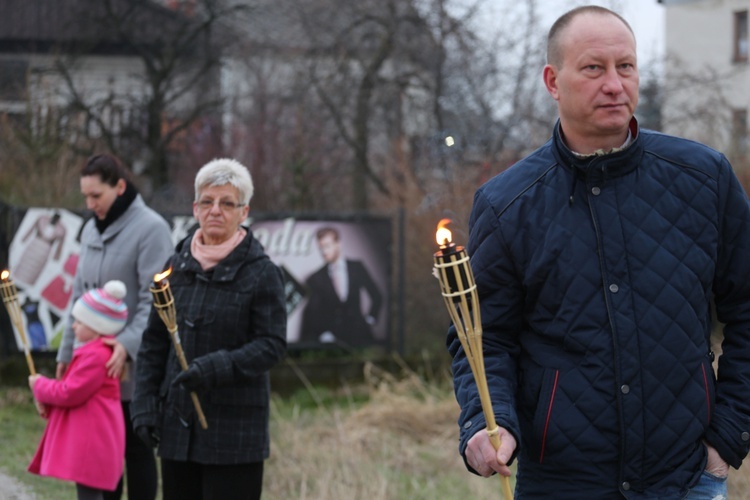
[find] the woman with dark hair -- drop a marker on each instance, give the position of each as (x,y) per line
(129,242)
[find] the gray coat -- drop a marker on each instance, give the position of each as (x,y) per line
(132,249)
(232,325)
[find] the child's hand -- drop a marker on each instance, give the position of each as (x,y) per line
(32,381)
(40,409)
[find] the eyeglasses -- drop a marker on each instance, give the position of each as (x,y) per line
(224,205)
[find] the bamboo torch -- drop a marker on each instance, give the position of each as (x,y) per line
(164,303)
(460,295)
(10,299)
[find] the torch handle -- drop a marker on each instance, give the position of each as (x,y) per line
(178,350)
(183,364)
(29,360)
(472,342)
(462,301)
(494,435)
(199,410)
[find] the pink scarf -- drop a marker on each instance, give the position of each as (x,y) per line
(210,255)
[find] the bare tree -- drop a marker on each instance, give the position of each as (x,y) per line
(328,79)
(695,103)
(38,164)
(362,55)
(347,106)
(175,89)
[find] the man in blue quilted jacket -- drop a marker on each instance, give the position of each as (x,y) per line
(597,259)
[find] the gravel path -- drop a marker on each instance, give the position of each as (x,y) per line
(12,489)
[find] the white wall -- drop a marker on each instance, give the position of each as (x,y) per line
(700,34)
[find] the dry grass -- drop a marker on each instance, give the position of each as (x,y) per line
(401,443)
(739,485)
(392,438)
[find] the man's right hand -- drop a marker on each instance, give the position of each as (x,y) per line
(482,457)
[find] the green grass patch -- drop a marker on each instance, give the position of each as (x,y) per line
(20,431)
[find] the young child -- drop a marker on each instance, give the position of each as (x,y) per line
(84,440)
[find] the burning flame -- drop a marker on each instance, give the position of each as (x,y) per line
(443,235)
(162,275)
(5,275)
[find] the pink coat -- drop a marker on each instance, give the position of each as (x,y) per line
(84,440)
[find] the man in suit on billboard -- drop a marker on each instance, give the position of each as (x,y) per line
(334,308)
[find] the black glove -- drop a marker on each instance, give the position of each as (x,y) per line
(190,379)
(148,435)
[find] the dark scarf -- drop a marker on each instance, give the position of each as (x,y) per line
(118,208)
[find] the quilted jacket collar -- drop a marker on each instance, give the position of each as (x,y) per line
(603,166)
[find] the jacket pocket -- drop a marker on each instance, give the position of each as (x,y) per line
(543,414)
(709,380)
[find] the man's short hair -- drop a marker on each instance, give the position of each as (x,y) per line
(554,50)
(325,231)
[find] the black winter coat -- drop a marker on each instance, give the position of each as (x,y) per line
(232,324)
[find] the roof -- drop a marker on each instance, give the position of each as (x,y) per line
(333,25)
(44,25)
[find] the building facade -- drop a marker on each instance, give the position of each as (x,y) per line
(707,75)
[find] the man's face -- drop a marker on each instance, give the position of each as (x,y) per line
(329,248)
(596,85)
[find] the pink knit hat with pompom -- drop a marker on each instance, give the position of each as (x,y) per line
(102,309)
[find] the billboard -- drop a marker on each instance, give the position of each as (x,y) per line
(347,308)
(42,258)
(337,277)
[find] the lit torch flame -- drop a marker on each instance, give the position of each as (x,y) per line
(4,275)
(160,289)
(158,277)
(443,234)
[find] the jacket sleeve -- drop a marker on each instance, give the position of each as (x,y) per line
(729,430)
(311,327)
(376,298)
(501,302)
(154,247)
(82,382)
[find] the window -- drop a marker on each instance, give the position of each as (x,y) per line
(740,139)
(740,36)
(13,80)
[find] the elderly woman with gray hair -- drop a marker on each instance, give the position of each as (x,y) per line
(229,299)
